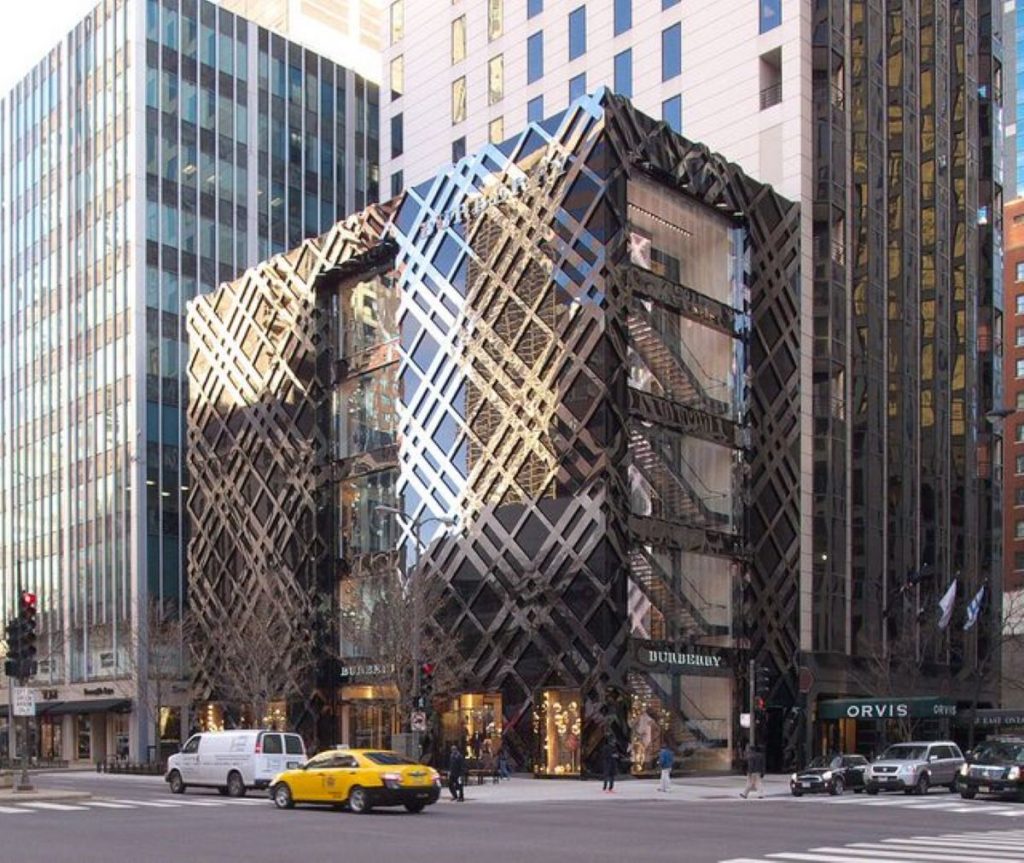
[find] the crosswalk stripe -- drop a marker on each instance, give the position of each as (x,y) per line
(154,803)
(53,807)
(197,803)
(105,804)
(10,810)
(871,850)
(963,844)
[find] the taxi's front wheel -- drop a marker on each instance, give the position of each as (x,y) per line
(283,796)
(414,807)
(358,801)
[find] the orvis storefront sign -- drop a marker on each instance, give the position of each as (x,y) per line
(887,708)
(673,659)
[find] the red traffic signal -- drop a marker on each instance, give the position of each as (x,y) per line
(759,704)
(428,669)
(28,602)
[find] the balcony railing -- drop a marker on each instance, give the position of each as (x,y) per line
(771,95)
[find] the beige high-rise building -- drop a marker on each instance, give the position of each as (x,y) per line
(347,31)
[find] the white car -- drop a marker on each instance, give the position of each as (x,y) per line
(233,761)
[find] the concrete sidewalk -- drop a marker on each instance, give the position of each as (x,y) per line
(524,788)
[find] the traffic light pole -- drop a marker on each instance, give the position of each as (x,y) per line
(751,685)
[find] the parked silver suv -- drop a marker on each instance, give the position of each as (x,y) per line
(914,767)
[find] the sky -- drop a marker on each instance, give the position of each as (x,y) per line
(30,29)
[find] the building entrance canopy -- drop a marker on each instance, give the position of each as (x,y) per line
(887,708)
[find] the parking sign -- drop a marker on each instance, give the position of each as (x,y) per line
(24,701)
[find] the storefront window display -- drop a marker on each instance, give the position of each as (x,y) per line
(51,738)
(369,716)
(83,728)
(560,725)
(210,718)
(649,723)
(473,722)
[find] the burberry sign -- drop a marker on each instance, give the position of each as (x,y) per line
(665,658)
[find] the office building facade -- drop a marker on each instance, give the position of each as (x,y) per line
(582,346)
(884,123)
(158,150)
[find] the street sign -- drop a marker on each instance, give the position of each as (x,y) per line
(24,701)
(419,721)
(744,720)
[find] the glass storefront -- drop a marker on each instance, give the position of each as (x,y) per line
(473,722)
(369,716)
(364,530)
(83,731)
(559,719)
(368,314)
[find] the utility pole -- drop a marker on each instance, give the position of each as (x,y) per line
(751,686)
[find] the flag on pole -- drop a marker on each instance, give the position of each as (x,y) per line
(974,608)
(946,605)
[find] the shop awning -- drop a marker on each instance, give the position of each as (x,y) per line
(94,705)
(887,708)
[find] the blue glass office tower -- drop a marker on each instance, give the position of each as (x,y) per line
(159,149)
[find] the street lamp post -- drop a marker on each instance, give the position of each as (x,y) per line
(417,599)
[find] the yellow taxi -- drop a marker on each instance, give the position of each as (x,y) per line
(360,779)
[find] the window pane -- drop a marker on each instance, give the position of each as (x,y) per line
(458,100)
(459,39)
(671,52)
(1020,337)
(665,4)
(396,184)
(577,32)
(397,76)
(535,113)
(397,136)
(624,73)
(397,21)
(496,130)
(1020,271)
(672,113)
(495,22)
(623,16)
(458,149)
(577,86)
(495,79)
(771,14)
(535,57)
(534,7)
(1020,304)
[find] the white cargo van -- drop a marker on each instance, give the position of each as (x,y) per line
(233,761)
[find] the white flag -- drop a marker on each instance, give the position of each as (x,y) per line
(946,605)
(974,608)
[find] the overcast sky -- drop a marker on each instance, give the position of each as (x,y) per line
(31,28)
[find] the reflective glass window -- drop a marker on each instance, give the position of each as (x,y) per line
(770,14)
(496,130)
(365,530)
(368,312)
(397,76)
(397,135)
(577,86)
(535,57)
(459,100)
(366,415)
(535,110)
(577,32)
(623,16)
(397,21)
(623,84)
(495,19)
(671,52)
(672,113)
(459,39)
(534,7)
(495,79)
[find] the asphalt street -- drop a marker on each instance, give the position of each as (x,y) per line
(136,820)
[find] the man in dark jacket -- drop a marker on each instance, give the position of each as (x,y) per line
(456,774)
(755,772)
(609,763)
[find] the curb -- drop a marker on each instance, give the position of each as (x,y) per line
(42,795)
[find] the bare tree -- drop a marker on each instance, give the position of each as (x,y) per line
(381,613)
(265,653)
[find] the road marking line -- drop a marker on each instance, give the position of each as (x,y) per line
(980,809)
(103,804)
(10,810)
(919,853)
(944,843)
(246,802)
(148,803)
(196,803)
(54,807)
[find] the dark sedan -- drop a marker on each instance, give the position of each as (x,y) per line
(995,766)
(830,774)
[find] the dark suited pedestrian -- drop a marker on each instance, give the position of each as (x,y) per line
(755,772)
(457,774)
(609,764)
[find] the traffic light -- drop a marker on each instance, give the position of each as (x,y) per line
(27,613)
(14,647)
(427,670)
(762,682)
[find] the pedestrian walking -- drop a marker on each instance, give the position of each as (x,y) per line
(610,763)
(755,772)
(666,759)
(503,769)
(457,774)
